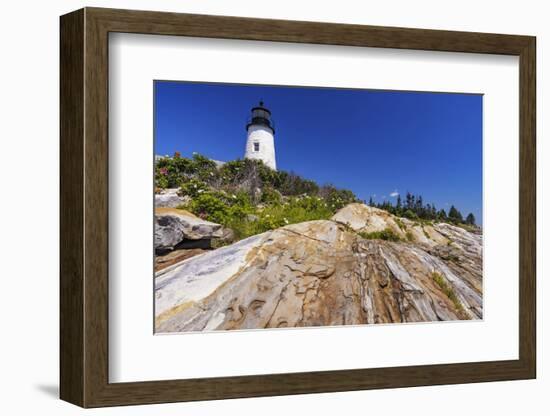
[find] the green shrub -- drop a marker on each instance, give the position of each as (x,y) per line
(240,171)
(182,165)
(239,198)
(193,188)
(210,207)
(410,236)
(161,181)
(270,196)
(177,170)
(337,198)
(410,215)
(167,176)
(386,234)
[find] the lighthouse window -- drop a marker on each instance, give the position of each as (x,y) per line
(256,147)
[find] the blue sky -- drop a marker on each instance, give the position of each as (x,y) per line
(372,142)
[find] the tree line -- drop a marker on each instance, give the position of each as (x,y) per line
(413,207)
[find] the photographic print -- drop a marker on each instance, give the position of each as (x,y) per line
(288,206)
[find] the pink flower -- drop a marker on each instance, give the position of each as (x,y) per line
(163,171)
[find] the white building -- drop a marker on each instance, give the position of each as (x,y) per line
(260,142)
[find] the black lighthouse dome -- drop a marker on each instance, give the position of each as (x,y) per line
(261,116)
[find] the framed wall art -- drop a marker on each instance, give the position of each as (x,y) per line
(257,207)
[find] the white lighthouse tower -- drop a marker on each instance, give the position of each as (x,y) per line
(260,142)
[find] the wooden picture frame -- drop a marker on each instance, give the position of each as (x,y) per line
(84,207)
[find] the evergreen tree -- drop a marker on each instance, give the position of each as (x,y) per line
(455,215)
(408,201)
(413,207)
(398,210)
(419,206)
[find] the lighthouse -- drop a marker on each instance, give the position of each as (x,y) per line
(260,141)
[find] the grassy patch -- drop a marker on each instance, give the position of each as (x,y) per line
(448,290)
(237,212)
(409,235)
(467,227)
(386,234)
(400,224)
(426,233)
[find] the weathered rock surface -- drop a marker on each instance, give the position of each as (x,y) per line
(320,273)
(175,226)
(175,256)
(169,198)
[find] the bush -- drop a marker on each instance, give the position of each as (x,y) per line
(181,165)
(193,188)
(210,207)
(337,198)
(386,234)
(161,181)
(292,184)
(410,215)
(172,172)
(242,170)
(167,176)
(271,196)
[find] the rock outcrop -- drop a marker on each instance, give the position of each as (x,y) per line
(175,227)
(169,198)
(324,272)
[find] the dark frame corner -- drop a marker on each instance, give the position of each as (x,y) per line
(84,207)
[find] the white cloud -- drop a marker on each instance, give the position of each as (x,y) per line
(394,194)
